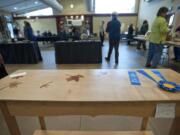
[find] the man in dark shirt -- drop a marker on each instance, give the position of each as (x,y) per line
(113,29)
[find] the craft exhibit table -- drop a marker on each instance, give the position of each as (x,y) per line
(20,52)
(50,38)
(83,92)
(78,52)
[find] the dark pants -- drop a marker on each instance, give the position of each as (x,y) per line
(3,72)
(101,37)
(113,44)
(143,43)
(130,38)
(177,53)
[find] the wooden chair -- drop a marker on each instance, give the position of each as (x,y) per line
(46,132)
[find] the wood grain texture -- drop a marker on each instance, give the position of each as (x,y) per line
(42,122)
(39,132)
(10,120)
(144,109)
(95,86)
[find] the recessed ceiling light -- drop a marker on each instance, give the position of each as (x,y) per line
(72,6)
(36,2)
(27,16)
(15,8)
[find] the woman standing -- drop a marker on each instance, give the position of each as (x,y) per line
(28,31)
(158,35)
(101,32)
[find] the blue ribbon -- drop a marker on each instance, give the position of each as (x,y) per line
(162,82)
(134,78)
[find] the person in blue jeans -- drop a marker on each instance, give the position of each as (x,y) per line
(158,36)
(177,49)
(113,29)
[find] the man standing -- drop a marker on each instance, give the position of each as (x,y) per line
(113,29)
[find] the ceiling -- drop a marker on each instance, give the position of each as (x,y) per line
(25,6)
(21,6)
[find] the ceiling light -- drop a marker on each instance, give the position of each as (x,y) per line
(28,16)
(36,2)
(15,8)
(72,6)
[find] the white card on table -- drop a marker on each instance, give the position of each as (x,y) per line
(165,110)
(18,75)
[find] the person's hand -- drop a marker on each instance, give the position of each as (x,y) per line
(1,59)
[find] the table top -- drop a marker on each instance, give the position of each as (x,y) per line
(140,37)
(102,85)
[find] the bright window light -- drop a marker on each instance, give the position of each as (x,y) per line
(43,12)
(119,6)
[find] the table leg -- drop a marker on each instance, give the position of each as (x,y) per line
(10,120)
(42,123)
(175,128)
(144,123)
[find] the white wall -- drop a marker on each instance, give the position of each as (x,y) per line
(176,4)
(148,10)
(42,25)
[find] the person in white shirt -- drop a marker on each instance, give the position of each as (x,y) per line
(101,32)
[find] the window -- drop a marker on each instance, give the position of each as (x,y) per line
(119,6)
(46,11)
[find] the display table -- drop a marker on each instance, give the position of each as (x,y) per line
(80,52)
(83,92)
(20,52)
(48,38)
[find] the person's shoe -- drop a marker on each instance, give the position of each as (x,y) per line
(107,59)
(148,65)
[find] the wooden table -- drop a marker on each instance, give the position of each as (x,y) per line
(97,92)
